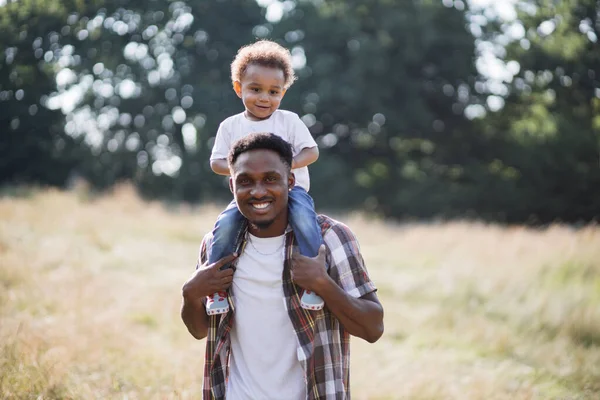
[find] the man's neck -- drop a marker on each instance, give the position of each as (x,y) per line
(277,228)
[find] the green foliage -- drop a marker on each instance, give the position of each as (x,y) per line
(384,90)
(34,147)
(549,134)
(383,87)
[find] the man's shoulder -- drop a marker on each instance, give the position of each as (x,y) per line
(207,237)
(206,242)
(329,224)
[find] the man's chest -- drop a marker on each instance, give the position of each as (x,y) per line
(258,278)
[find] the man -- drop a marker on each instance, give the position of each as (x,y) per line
(268,349)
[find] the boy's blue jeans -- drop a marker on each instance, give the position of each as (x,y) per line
(302,218)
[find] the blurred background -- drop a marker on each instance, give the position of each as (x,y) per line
(460,140)
(487,109)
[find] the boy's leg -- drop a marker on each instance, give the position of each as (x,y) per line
(307,232)
(303,220)
(226,231)
(225,234)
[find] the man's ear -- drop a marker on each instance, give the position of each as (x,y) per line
(291,181)
(237,87)
(231,184)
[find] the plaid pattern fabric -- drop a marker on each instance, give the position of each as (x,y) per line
(324,350)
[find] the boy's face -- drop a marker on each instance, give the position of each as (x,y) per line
(261,91)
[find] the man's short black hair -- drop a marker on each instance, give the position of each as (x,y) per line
(261,141)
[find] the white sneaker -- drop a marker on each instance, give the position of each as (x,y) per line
(217,303)
(311,301)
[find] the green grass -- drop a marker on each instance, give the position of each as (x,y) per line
(90,295)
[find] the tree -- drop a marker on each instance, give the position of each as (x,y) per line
(384,89)
(156,78)
(33,148)
(148,84)
(550,124)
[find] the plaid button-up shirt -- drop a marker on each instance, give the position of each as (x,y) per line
(324,344)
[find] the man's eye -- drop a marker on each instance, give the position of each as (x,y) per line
(244,182)
(271,179)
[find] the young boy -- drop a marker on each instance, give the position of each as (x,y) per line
(261,73)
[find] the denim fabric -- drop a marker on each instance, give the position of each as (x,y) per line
(303,220)
(225,233)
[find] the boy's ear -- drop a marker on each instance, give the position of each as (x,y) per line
(237,87)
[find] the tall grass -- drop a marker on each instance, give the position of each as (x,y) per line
(90,295)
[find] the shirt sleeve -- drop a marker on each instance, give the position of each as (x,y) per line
(300,135)
(203,254)
(222,144)
(346,264)
(203,251)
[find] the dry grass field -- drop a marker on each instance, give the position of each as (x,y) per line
(90,296)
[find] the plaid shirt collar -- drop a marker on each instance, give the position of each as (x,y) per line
(323,342)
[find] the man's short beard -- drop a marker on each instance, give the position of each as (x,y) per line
(262,224)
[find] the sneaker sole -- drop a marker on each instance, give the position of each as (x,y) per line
(315,307)
(217,311)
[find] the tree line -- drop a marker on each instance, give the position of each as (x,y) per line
(421,109)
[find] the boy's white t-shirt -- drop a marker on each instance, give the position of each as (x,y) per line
(285,124)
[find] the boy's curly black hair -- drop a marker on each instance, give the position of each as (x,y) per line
(267,54)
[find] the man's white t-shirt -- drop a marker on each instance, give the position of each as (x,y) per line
(285,124)
(264,360)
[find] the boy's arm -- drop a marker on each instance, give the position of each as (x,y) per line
(220,166)
(218,156)
(307,156)
(300,138)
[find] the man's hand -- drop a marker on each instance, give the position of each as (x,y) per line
(310,273)
(209,279)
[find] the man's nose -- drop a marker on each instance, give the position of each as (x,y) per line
(258,190)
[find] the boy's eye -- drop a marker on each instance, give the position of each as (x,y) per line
(254,90)
(274,92)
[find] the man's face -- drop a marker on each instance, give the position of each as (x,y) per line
(261,90)
(260,182)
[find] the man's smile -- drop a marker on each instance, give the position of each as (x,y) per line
(261,207)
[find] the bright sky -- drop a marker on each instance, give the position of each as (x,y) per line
(488,62)
(505,9)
